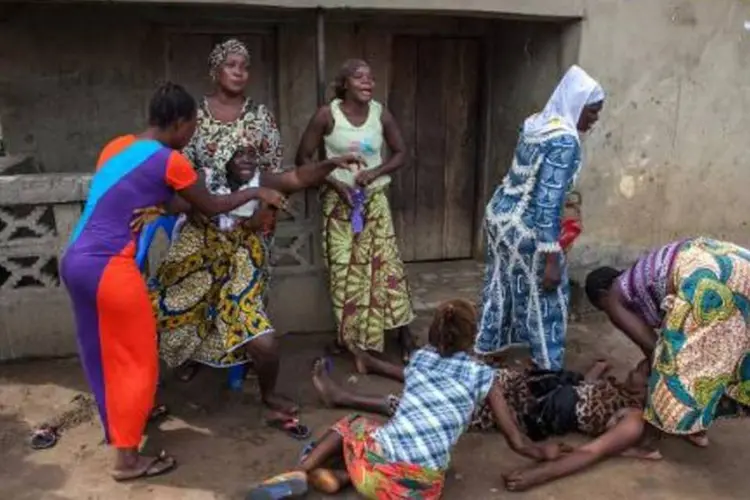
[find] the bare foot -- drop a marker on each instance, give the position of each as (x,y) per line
(281,404)
(327,389)
(523,479)
(699,439)
(362,360)
(642,453)
(325,480)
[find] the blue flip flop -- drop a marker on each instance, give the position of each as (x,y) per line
(283,486)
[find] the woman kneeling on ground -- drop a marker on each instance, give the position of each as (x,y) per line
(543,403)
(407,456)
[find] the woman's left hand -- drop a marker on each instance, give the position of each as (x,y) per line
(365,177)
(552,274)
(146,215)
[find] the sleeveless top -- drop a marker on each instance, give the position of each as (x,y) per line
(367,140)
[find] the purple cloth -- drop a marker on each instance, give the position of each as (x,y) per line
(645,285)
(358,217)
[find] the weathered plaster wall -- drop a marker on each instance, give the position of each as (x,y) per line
(67,78)
(669,158)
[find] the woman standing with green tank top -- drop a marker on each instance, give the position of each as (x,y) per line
(368,285)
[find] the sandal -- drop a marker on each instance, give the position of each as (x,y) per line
(306,450)
(158,465)
(290,425)
(325,361)
(287,485)
(158,413)
(44,438)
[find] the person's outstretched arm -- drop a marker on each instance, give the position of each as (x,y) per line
(181,177)
(307,175)
(517,440)
(622,436)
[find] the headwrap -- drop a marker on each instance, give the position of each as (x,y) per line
(223,50)
(576,90)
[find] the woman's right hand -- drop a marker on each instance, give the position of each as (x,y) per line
(344,191)
(272,198)
(351,161)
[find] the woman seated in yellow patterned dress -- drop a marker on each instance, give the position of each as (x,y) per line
(208,293)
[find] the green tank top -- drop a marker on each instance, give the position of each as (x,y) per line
(367,140)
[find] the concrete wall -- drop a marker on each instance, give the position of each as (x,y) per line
(669,158)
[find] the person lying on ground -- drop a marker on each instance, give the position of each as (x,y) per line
(543,404)
(407,456)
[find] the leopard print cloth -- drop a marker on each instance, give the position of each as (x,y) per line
(597,403)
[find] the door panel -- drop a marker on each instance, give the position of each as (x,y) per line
(434,96)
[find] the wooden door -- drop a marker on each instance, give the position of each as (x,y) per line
(434,92)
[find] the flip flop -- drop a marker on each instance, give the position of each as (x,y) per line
(158,465)
(291,426)
(326,361)
(158,412)
(287,485)
(43,438)
(306,450)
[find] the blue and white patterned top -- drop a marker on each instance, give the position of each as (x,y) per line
(439,397)
(526,210)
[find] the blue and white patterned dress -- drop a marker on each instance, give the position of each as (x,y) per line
(522,224)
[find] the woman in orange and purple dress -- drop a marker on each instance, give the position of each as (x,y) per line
(115,324)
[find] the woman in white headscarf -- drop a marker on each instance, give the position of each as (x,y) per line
(526,292)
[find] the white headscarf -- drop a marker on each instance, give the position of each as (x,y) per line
(576,90)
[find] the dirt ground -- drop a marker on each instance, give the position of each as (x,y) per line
(223,446)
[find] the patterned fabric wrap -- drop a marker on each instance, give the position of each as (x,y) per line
(205,312)
(440,395)
(368,285)
(545,409)
(215,142)
(208,295)
(377,478)
(702,354)
(522,225)
(644,285)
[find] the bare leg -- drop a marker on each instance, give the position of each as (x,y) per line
(406,341)
(321,478)
(265,353)
(367,363)
(335,396)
